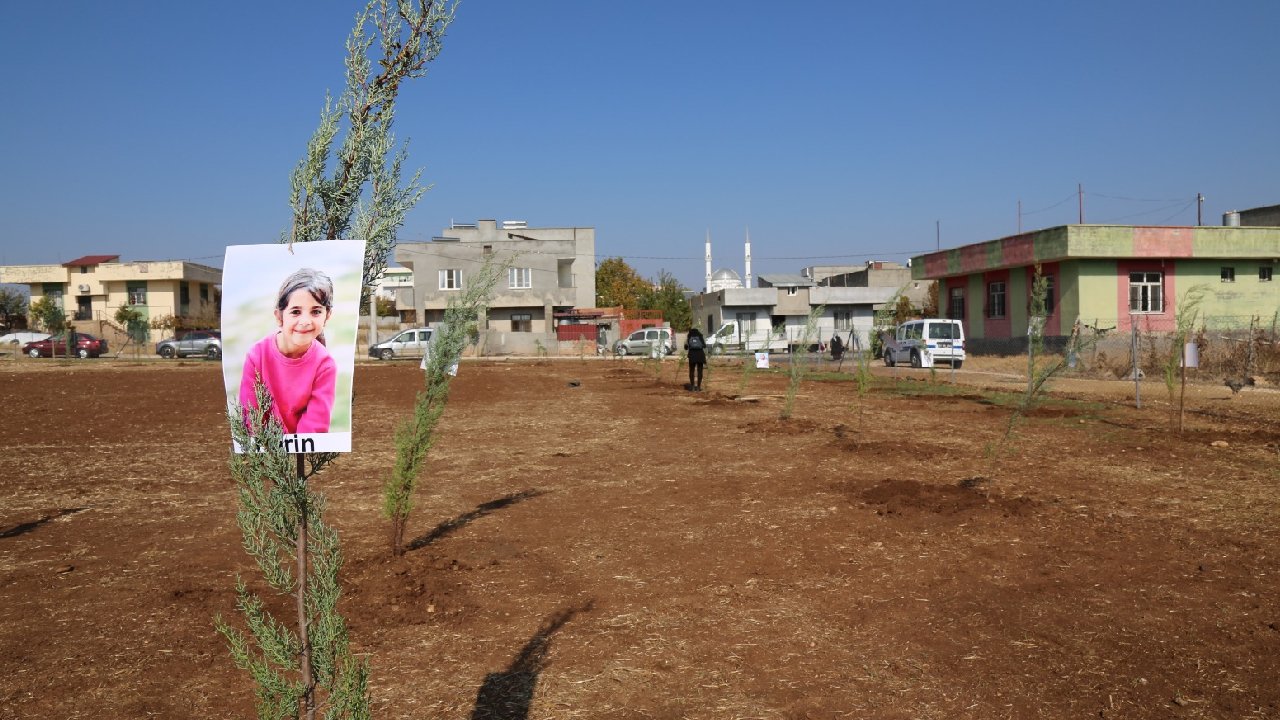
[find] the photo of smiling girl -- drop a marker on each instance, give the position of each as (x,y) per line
(293,362)
(297,336)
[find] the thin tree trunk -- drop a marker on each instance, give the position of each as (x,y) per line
(309,682)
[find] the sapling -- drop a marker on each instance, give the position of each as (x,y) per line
(347,190)
(795,371)
(1184,320)
(416,434)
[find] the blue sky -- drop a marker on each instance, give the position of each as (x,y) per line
(835,131)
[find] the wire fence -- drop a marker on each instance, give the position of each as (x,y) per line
(1227,346)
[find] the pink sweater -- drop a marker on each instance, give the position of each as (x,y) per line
(302,389)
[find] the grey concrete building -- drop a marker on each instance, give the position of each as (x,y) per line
(553,271)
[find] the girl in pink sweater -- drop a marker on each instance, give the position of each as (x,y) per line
(293,363)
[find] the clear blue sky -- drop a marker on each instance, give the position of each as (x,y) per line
(836,131)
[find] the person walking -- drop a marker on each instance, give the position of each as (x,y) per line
(696,346)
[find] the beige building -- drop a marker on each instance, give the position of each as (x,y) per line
(92,288)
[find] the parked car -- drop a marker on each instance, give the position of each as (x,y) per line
(86,346)
(413,343)
(10,340)
(925,343)
(641,342)
(207,343)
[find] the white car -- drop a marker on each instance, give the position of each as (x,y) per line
(925,343)
(413,343)
(641,342)
(14,340)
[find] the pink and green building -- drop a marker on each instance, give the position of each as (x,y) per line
(1106,276)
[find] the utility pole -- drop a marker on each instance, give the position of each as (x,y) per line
(1019,217)
(1080,200)
(937,234)
(1199,209)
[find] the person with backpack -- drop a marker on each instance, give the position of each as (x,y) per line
(696,346)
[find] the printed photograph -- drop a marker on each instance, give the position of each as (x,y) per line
(289,318)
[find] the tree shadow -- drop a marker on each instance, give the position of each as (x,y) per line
(26,527)
(508,695)
(449,526)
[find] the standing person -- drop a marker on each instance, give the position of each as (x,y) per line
(696,346)
(293,362)
(837,347)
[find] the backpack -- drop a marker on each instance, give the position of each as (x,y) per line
(695,342)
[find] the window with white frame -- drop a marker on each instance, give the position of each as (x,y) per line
(521,322)
(1228,274)
(137,292)
(746,322)
(1264,273)
(996,307)
(1146,292)
(451,279)
(520,278)
(844,320)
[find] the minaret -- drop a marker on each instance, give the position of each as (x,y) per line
(708,259)
(747,278)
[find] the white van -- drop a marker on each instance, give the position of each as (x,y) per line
(413,343)
(925,343)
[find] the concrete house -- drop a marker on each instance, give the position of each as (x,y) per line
(92,288)
(1108,276)
(553,272)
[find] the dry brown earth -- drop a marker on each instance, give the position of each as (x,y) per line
(595,542)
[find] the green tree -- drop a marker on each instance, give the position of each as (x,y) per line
(48,314)
(415,435)
(670,299)
(618,284)
(13,304)
(347,186)
(135,325)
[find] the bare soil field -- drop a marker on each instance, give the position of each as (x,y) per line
(593,541)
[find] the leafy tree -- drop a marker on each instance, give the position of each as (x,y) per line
(903,310)
(135,325)
(669,298)
(347,186)
(13,304)
(48,314)
(931,303)
(618,284)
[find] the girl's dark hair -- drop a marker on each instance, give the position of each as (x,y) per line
(695,331)
(311,280)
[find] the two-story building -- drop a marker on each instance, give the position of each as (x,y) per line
(552,271)
(92,288)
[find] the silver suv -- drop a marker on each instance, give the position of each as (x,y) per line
(200,342)
(641,342)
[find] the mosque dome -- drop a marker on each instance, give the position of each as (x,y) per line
(725,278)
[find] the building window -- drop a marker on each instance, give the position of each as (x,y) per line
(1146,292)
(451,279)
(521,322)
(1264,273)
(844,320)
(137,292)
(53,291)
(746,322)
(204,292)
(955,304)
(520,278)
(995,300)
(792,291)
(1228,274)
